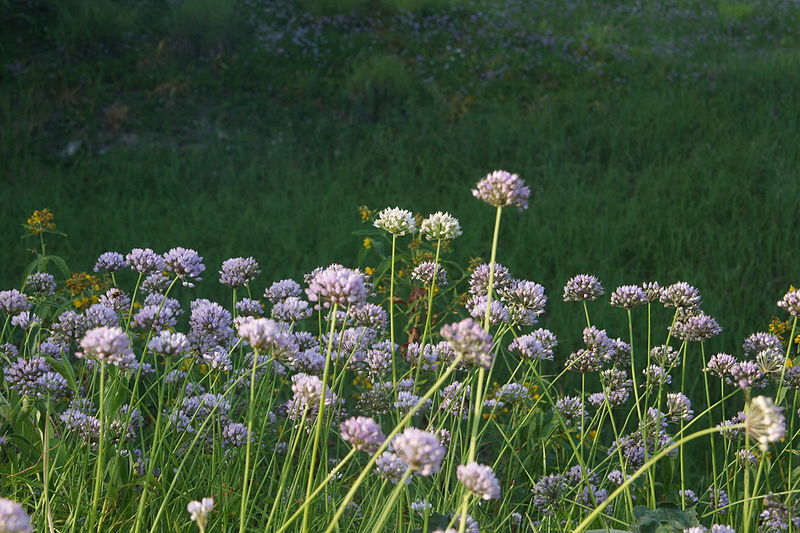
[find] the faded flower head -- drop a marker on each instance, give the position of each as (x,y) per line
(238,271)
(362,433)
(13,518)
(337,285)
(396,221)
(264,334)
(470,341)
(502,189)
(582,287)
(479,479)
(106,344)
(440,226)
(199,511)
(764,421)
(420,450)
(424,273)
(185,264)
(699,327)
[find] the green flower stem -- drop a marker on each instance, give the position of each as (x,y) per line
(320,416)
(644,468)
(368,468)
(388,507)
(101,448)
(46,467)
(250,413)
(780,395)
(391,314)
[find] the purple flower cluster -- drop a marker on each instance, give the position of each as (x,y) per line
(470,341)
(480,480)
(362,433)
(582,287)
(337,285)
(502,189)
(238,271)
(110,262)
(186,264)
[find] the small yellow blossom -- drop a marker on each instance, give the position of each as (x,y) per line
(40,221)
(365,213)
(367,243)
(369,271)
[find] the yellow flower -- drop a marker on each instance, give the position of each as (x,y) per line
(365,213)
(40,221)
(369,271)
(367,243)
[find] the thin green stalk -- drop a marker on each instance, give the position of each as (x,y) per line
(391,314)
(388,507)
(101,448)
(250,412)
(46,467)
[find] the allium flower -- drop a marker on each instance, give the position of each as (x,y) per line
(747,374)
(616,477)
(145,260)
(424,273)
(26,320)
(679,407)
(101,315)
(513,393)
(479,479)
(308,392)
(368,315)
(571,410)
(479,280)
(210,325)
(420,450)
(396,221)
(391,467)
(23,375)
(425,357)
(249,307)
(199,511)
(718,499)
(720,365)
(727,429)
(455,399)
(760,341)
(680,295)
(688,496)
(696,328)
(548,493)
(235,435)
(40,285)
(585,361)
(154,317)
(719,528)
(264,334)
(656,375)
(407,400)
(110,262)
(477,309)
(362,433)
(69,327)
(13,518)
(791,302)
(628,296)
(337,285)
(778,516)
(582,287)
(292,309)
(155,283)
(280,290)
(238,271)
(745,458)
(185,264)
(538,345)
(116,299)
(421,506)
(652,290)
(14,302)
(525,301)
(764,421)
(470,341)
(106,344)
(440,226)
(664,356)
(502,189)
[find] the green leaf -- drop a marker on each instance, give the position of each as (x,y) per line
(29,268)
(61,264)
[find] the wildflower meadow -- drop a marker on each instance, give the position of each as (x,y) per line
(420,395)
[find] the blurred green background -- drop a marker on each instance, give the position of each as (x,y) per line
(660,139)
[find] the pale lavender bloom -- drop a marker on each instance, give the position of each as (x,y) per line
(526,295)
(791,302)
(101,315)
(718,528)
(391,467)
(424,273)
(502,189)
(727,429)
(308,392)
(479,280)
(13,518)
(479,479)
(309,362)
(106,344)
(616,477)
(538,345)
(116,299)
(280,290)
(455,399)
(368,315)
(153,317)
(571,410)
(652,290)
(471,524)
(620,352)
(337,285)
(396,221)
(688,496)
(470,341)
(14,302)
(185,264)
(696,328)
(582,287)
(664,355)
(145,260)
(235,435)
(56,350)
(155,283)
(679,407)
(40,285)
(306,340)
(764,421)
(746,458)
(421,506)
(174,376)
(362,433)
(598,341)
(249,307)
(718,499)
(23,375)
(26,320)
(628,296)
(218,359)
(747,374)
(378,359)
(420,450)
(548,493)
(407,400)
(440,226)
(292,309)
(680,295)
(771,361)
(264,334)
(425,358)
(656,375)
(210,325)
(585,361)
(69,327)
(513,393)
(110,262)
(721,365)
(83,424)
(199,511)
(9,350)
(760,341)
(238,271)
(169,344)
(477,309)
(777,515)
